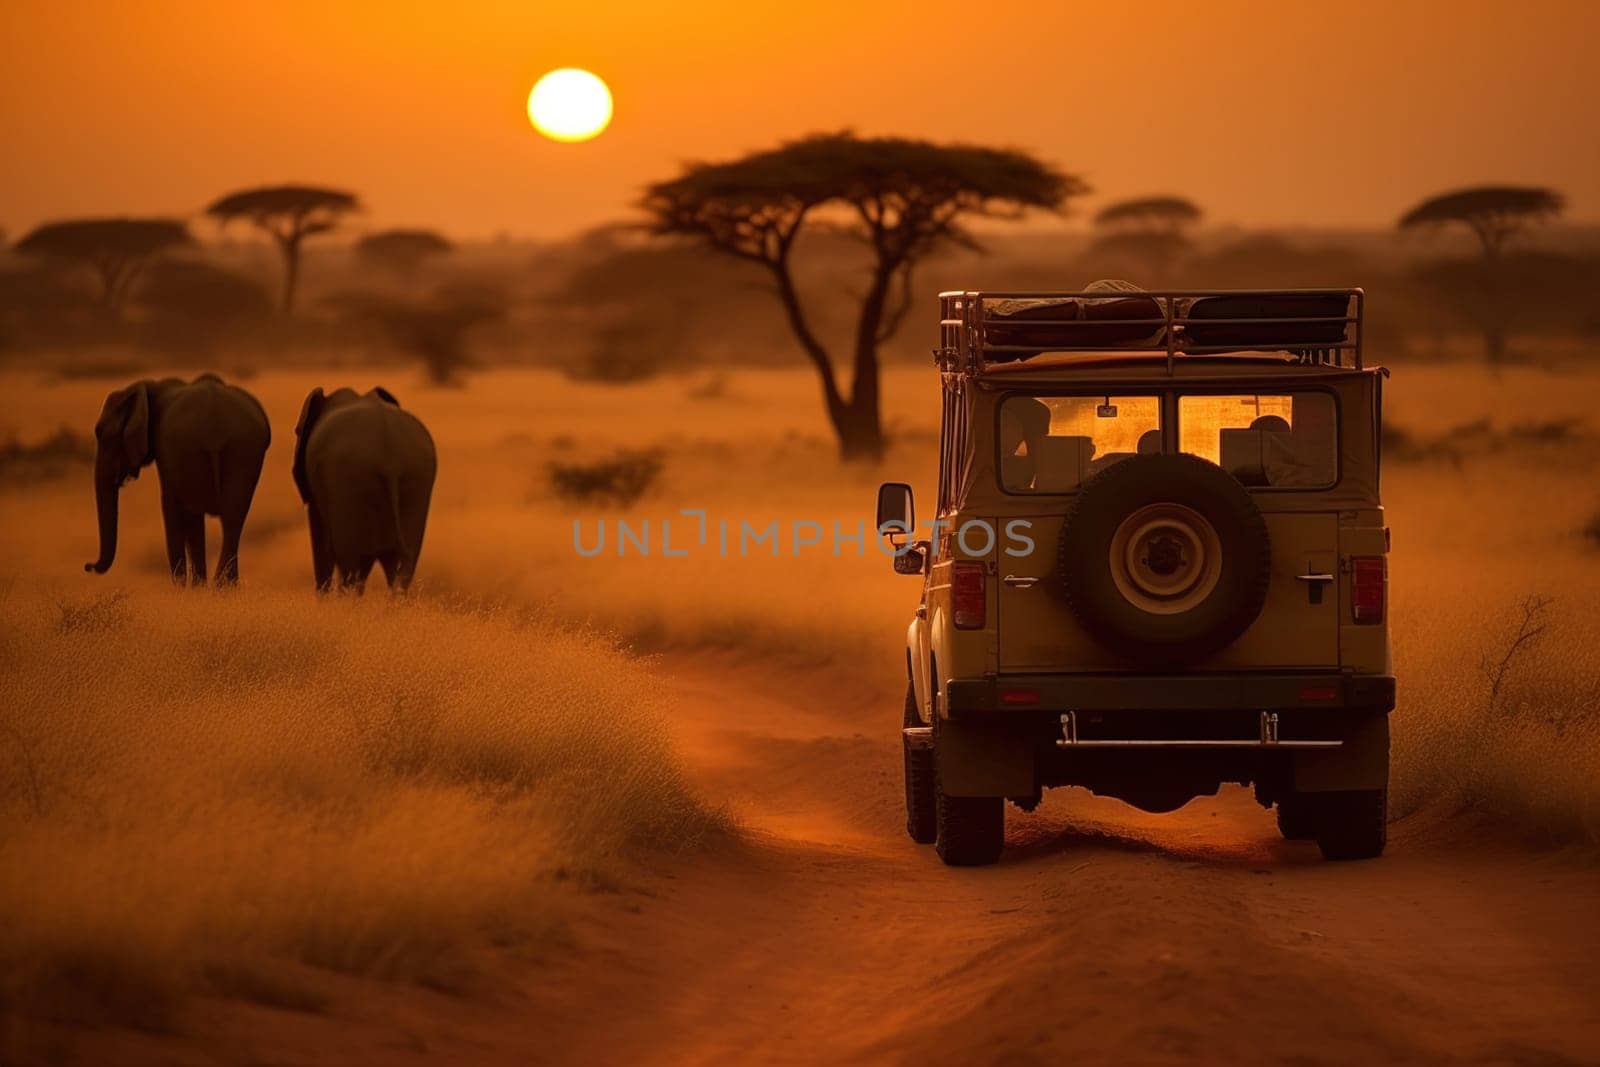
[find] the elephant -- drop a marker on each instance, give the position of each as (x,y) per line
(208,440)
(365,470)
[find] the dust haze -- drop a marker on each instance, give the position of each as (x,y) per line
(559,804)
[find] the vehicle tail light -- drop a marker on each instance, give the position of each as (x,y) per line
(967,595)
(1369,588)
(1019,696)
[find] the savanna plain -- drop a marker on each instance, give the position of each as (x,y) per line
(647,808)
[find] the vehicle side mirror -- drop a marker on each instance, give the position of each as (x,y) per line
(896,515)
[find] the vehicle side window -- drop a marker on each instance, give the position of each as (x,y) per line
(1272,441)
(945,429)
(1051,444)
(958,444)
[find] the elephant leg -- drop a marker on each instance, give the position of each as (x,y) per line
(173,519)
(321,554)
(194,539)
(228,557)
(405,569)
(415,523)
(353,580)
(238,494)
(390,562)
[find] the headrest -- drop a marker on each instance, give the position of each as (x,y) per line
(1271,424)
(1033,416)
(1149,443)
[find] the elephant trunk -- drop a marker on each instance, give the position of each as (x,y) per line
(107,484)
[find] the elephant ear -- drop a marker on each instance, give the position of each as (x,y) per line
(386,396)
(134,405)
(310,412)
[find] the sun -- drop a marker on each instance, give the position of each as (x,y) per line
(569,105)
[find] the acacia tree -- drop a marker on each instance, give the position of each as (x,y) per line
(1150,231)
(903,198)
(433,331)
(401,251)
(1168,213)
(1495,214)
(288,214)
(116,249)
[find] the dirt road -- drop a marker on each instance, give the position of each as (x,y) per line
(1103,936)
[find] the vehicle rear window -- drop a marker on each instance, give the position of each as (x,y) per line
(1051,444)
(1266,440)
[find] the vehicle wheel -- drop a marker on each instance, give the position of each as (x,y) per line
(969,831)
(1296,820)
(920,821)
(1165,559)
(1353,825)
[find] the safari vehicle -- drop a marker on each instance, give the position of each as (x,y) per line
(1159,563)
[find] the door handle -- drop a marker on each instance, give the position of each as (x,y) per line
(922,611)
(1020,581)
(1314,582)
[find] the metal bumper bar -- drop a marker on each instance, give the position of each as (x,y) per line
(1013,694)
(1268,738)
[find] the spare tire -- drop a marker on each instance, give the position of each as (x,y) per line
(1164,558)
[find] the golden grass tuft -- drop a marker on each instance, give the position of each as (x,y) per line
(1500,713)
(225,780)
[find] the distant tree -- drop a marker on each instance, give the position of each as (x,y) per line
(401,251)
(1147,233)
(640,309)
(116,249)
(194,304)
(289,214)
(432,331)
(1171,213)
(903,198)
(1495,214)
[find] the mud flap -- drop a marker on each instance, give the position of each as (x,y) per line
(981,760)
(1362,762)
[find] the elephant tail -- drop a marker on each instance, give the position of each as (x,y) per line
(216,479)
(394,512)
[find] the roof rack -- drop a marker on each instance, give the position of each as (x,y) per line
(977,330)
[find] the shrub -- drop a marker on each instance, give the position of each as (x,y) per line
(48,458)
(1479,438)
(1591,530)
(95,614)
(620,479)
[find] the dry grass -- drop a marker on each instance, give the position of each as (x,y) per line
(1512,729)
(1505,726)
(200,786)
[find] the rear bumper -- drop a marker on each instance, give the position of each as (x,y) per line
(995,699)
(1159,739)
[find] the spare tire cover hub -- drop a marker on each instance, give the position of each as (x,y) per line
(1164,558)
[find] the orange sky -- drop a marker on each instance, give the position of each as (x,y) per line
(1263,112)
